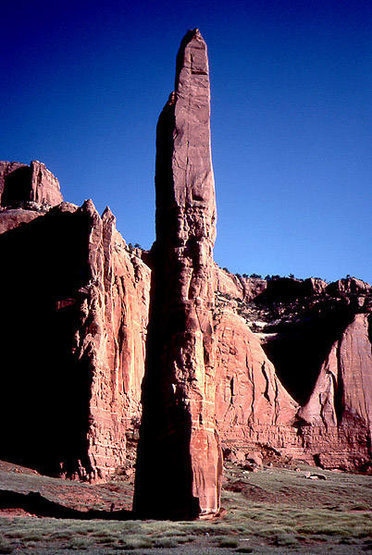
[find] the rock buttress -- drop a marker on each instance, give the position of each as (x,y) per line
(179,467)
(111,337)
(74,317)
(340,406)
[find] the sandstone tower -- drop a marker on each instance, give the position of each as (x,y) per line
(179,467)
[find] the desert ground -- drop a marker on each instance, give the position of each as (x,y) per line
(274,509)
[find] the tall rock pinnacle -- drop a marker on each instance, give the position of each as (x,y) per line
(179,467)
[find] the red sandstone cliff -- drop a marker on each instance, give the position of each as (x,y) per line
(112,336)
(237,287)
(341,402)
(74,289)
(318,337)
(76,300)
(252,407)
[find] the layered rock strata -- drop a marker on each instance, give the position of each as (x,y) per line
(179,467)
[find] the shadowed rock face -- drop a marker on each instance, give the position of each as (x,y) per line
(299,348)
(179,468)
(343,392)
(74,307)
(20,184)
(46,261)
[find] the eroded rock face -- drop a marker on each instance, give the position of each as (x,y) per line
(179,467)
(113,338)
(20,184)
(318,337)
(238,287)
(74,315)
(349,286)
(252,406)
(341,404)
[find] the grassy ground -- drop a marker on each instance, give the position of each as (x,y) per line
(75,495)
(272,510)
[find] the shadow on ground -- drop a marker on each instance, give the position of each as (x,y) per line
(37,505)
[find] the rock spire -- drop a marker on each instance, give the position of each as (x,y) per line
(179,467)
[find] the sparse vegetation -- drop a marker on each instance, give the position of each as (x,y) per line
(272,510)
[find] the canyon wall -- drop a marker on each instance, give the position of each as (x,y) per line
(292,358)
(316,337)
(74,303)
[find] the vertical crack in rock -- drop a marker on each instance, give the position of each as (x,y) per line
(339,400)
(267,384)
(179,460)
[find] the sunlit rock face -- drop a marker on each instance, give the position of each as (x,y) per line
(179,468)
(314,340)
(252,406)
(340,405)
(74,304)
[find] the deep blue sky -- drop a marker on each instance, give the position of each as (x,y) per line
(82,85)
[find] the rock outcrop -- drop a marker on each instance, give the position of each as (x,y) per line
(340,405)
(252,406)
(318,338)
(236,286)
(21,184)
(74,316)
(180,466)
